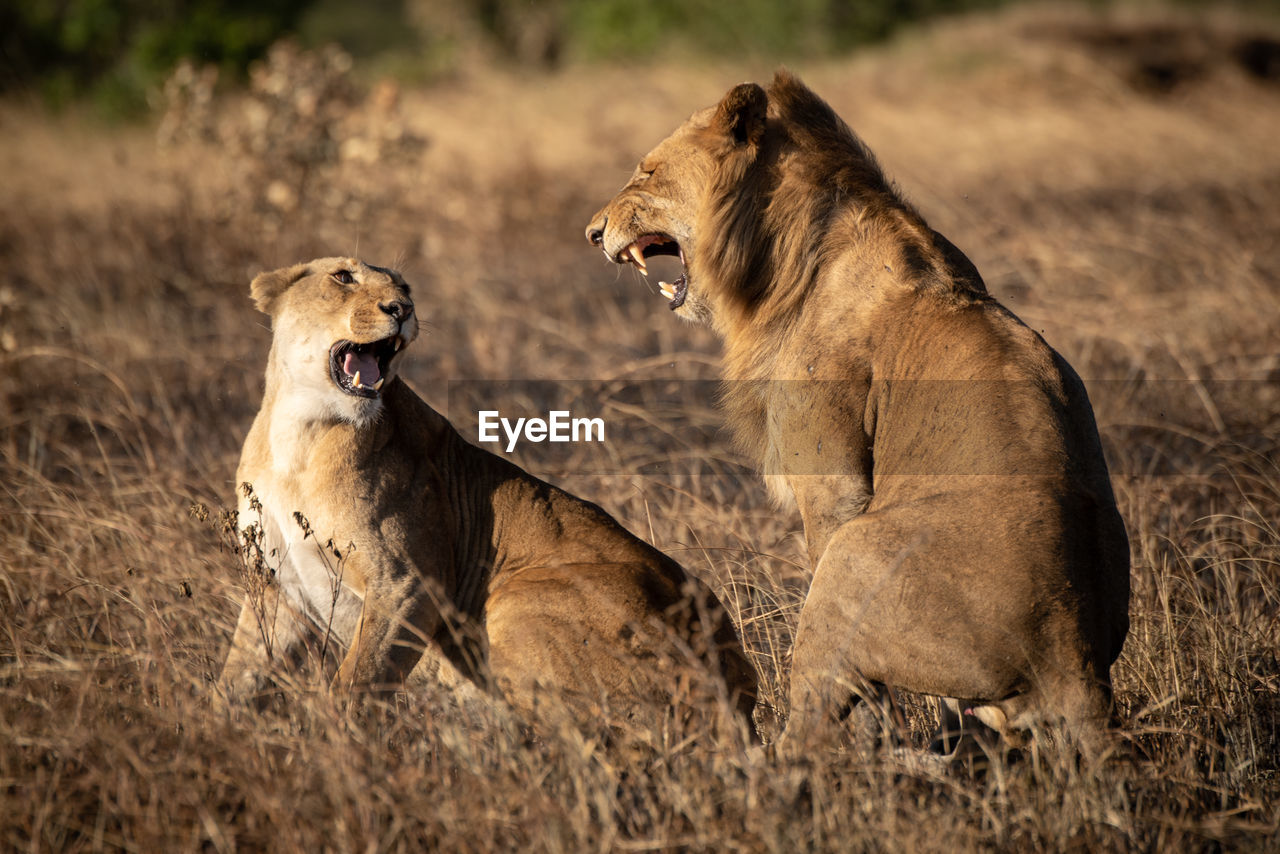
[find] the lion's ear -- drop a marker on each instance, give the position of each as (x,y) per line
(266,288)
(741,113)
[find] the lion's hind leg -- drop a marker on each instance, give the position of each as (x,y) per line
(890,604)
(1073,711)
(1077,707)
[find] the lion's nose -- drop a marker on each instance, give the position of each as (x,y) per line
(596,234)
(397,309)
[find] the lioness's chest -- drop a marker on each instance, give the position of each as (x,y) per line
(310,566)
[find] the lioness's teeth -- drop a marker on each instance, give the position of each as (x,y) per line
(638,257)
(355,381)
(378,385)
(399,343)
(667,290)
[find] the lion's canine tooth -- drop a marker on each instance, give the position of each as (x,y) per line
(638,257)
(378,385)
(399,343)
(355,381)
(667,290)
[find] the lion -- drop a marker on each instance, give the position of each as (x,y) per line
(957,510)
(418,554)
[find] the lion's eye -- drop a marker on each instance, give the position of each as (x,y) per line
(344,277)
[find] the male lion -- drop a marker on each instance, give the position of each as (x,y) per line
(957,509)
(416,537)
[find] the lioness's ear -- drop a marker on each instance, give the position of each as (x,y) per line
(266,288)
(741,113)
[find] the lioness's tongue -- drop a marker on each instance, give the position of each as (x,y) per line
(362,363)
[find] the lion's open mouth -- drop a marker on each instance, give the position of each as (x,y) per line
(659,244)
(361,369)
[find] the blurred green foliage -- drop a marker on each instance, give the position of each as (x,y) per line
(116,50)
(613,28)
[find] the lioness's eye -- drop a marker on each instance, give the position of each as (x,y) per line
(345,277)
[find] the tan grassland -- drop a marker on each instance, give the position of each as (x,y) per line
(1115,177)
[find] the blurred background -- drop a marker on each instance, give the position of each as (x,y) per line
(117,53)
(1112,168)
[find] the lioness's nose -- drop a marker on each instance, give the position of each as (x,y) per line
(397,309)
(595,233)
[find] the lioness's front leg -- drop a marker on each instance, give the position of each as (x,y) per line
(397,621)
(268,631)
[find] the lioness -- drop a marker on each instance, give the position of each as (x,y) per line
(957,509)
(416,537)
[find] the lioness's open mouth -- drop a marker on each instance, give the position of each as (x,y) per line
(360,369)
(658,244)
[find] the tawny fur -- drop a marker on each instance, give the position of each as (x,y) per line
(957,508)
(454,561)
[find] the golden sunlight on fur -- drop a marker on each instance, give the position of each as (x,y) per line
(957,509)
(419,555)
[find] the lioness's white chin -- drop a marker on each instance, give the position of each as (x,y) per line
(362,411)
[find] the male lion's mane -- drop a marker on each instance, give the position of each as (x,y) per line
(768,200)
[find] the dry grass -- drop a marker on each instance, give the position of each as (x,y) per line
(1136,228)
